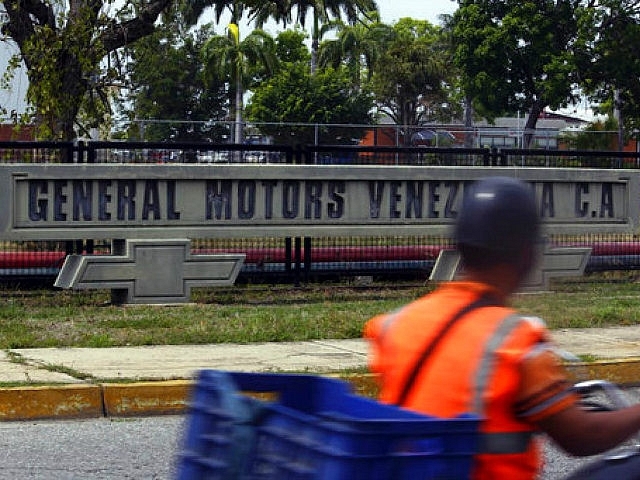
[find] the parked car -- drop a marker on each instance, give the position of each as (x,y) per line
(255,157)
(122,155)
(213,156)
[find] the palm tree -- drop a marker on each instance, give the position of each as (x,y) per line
(192,10)
(229,57)
(259,11)
(358,46)
(322,10)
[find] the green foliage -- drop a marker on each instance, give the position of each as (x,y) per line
(322,12)
(169,83)
(357,46)
(63,64)
(46,81)
(230,59)
(598,135)
(294,95)
(239,63)
(610,60)
(412,72)
(290,47)
(63,46)
(516,55)
(506,56)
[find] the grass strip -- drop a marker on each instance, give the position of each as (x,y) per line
(266,313)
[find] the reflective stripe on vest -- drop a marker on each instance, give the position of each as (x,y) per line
(501,442)
(504,442)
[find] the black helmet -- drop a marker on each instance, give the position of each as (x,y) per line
(498,214)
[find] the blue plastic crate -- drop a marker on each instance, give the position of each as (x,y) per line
(315,429)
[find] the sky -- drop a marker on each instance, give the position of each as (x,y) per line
(392,10)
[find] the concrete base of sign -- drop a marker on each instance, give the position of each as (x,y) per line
(554,262)
(149,271)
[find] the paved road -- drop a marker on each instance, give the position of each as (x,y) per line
(131,448)
(107,449)
(96,449)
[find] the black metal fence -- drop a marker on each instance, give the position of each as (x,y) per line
(209,153)
(307,259)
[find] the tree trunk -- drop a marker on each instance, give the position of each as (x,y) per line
(406,121)
(74,89)
(530,126)
(468,123)
(617,114)
(239,138)
(315,42)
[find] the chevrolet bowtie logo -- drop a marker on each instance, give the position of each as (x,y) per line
(554,262)
(150,271)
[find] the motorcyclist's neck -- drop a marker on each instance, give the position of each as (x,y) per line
(503,280)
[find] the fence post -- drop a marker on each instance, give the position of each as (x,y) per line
(495,156)
(67,151)
(307,258)
(293,258)
(298,260)
(287,255)
(90,152)
(502,159)
(486,157)
(300,155)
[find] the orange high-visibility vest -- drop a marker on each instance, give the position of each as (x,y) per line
(474,369)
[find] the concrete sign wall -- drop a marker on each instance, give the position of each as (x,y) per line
(45,201)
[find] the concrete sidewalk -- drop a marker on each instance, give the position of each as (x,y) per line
(87,382)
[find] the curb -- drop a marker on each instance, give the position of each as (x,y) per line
(64,401)
(622,371)
(171,397)
(94,400)
(146,398)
